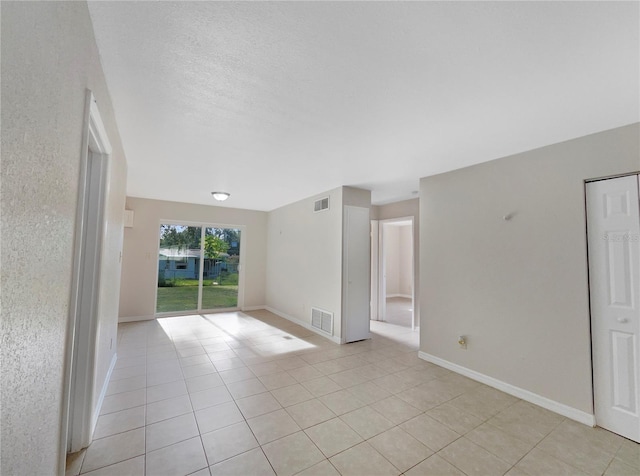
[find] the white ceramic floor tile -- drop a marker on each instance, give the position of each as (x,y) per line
(119,422)
(277,380)
(252,463)
(501,444)
(341,402)
(218,416)
(291,395)
(164,409)
(256,405)
(272,426)
(122,401)
(210,397)
(126,385)
(321,386)
(472,459)
(171,431)
(179,459)
(130,467)
(363,459)
(323,468)
(367,422)
(246,388)
(333,436)
(537,462)
(400,448)
(434,465)
(203,382)
(228,442)
(179,376)
(198,370)
(235,375)
(429,432)
(292,454)
(310,413)
(114,449)
(166,391)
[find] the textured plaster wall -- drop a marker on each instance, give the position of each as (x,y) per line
(140,262)
(518,289)
(48,58)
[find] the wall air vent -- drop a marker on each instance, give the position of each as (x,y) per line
(322,320)
(321,204)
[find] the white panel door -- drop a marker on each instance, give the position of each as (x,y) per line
(613,218)
(356,274)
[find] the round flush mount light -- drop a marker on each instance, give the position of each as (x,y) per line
(220,196)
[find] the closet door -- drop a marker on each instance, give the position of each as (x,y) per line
(613,219)
(356,277)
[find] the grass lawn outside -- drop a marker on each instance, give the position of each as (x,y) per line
(183,295)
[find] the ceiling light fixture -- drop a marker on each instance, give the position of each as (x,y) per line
(220,196)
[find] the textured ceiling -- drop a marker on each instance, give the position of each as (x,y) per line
(277,101)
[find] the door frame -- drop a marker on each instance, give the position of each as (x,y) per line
(589,289)
(380,274)
(78,421)
(241,274)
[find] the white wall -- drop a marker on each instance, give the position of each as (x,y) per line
(391,243)
(304,259)
(49,58)
(304,256)
(405,261)
(518,289)
(140,259)
(398,260)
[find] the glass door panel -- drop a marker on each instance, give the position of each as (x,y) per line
(220,268)
(179,261)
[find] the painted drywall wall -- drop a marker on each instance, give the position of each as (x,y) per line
(49,59)
(391,245)
(304,259)
(398,260)
(405,208)
(140,258)
(405,264)
(517,288)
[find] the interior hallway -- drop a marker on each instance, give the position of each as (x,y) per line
(252,393)
(399,311)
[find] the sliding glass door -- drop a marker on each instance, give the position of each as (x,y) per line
(220,275)
(198,268)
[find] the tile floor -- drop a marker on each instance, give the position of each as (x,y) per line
(253,394)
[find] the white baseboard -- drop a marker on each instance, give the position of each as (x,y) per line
(544,402)
(105,384)
(135,318)
(253,308)
(306,325)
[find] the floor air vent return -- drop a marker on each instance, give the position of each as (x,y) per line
(321,204)
(322,320)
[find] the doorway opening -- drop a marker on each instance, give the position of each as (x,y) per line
(393,268)
(199,268)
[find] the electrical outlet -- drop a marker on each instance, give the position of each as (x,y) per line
(462,342)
